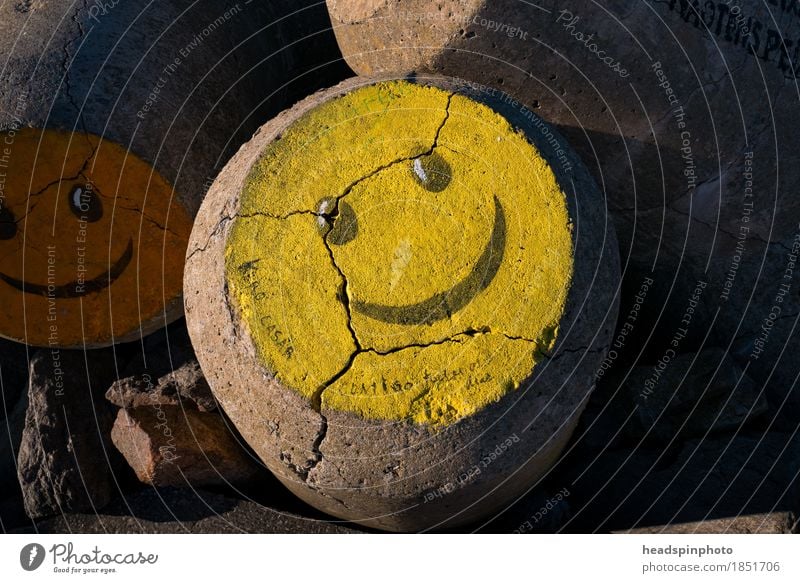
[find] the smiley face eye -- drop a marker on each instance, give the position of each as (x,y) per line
(337,222)
(8,226)
(85,204)
(432,172)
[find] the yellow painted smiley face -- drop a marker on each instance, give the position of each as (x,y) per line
(401,253)
(90,237)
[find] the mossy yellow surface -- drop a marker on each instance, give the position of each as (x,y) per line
(412,246)
(288,292)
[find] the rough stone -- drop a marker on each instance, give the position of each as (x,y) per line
(704,479)
(167,445)
(184,511)
(771,523)
(163,370)
(186,384)
(66,459)
(691,395)
(379,473)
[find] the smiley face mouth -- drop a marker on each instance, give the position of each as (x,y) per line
(442,305)
(75,289)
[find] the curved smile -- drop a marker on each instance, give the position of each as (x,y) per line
(442,305)
(75,289)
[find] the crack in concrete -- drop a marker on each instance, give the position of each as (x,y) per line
(349,188)
(510,337)
(158,225)
(36,201)
(316,399)
(339,500)
(114,199)
(315,447)
(80,174)
(444,121)
(458,338)
(301,471)
(563,351)
(226,297)
(334,212)
(213,234)
(264,214)
(345,295)
(68,61)
(470,333)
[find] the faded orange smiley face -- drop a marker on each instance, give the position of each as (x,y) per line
(92,241)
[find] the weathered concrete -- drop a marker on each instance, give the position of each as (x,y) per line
(398,475)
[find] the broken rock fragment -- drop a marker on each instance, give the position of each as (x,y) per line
(174,446)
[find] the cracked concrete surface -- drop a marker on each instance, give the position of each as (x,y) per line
(735,97)
(346,296)
(373,471)
(266,269)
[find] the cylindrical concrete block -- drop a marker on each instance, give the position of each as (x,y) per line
(400,291)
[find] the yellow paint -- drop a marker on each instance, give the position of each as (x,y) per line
(411,244)
(438,384)
(283,265)
(373,127)
(52,245)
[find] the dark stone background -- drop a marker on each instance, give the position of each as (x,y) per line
(707,447)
